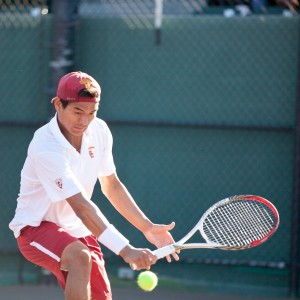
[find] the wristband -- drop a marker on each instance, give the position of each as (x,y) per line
(113,239)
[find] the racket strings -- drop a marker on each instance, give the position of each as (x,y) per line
(223,232)
(239,223)
(247,224)
(244,222)
(255,216)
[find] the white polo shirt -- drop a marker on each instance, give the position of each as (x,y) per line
(54,171)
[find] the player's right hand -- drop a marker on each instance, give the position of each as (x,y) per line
(160,236)
(141,258)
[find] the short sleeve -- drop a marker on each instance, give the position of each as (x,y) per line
(56,176)
(107,166)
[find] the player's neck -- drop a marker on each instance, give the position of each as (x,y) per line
(74,138)
(75,142)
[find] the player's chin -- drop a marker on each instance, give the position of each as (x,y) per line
(78,131)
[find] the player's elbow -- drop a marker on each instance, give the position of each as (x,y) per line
(111,187)
(80,206)
(83,214)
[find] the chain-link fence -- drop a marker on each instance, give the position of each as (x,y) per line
(21,88)
(201,105)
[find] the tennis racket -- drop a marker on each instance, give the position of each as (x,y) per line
(235,223)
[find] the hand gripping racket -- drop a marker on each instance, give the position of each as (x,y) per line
(235,223)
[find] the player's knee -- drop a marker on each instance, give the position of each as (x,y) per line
(76,255)
(83,257)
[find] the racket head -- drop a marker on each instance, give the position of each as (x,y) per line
(239,222)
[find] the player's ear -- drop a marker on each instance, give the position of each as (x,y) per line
(57,104)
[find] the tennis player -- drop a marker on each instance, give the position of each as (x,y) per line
(56,224)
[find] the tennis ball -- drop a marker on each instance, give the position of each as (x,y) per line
(147,281)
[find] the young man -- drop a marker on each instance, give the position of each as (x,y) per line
(56,224)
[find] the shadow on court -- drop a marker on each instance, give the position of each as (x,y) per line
(29,292)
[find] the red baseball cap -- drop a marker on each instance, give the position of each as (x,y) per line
(72,83)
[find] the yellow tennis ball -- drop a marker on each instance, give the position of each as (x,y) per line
(147,281)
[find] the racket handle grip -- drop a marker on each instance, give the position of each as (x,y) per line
(164,251)
(159,253)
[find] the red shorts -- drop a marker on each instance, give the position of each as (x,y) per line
(43,246)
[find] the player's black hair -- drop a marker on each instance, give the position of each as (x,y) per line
(82,93)
(64,103)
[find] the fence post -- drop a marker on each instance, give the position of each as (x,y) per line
(65,22)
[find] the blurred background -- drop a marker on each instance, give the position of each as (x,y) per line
(203,104)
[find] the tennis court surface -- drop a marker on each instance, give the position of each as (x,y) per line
(50,292)
(176,281)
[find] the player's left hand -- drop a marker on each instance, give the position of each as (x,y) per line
(160,236)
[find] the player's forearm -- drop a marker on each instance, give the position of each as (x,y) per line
(96,222)
(123,202)
(89,213)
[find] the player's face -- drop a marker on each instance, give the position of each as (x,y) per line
(76,117)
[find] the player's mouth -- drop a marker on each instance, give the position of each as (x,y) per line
(79,128)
